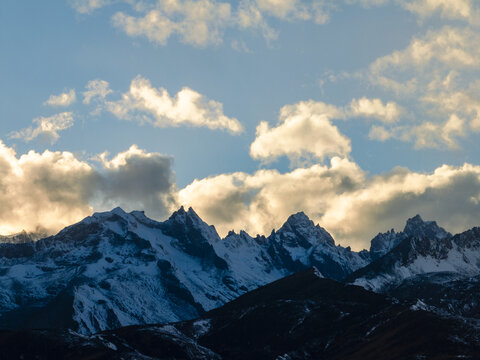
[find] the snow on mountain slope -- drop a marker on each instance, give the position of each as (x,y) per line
(384,242)
(445,293)
(415,227)
(311,245)
(115,269)
(297,245)
(426,248)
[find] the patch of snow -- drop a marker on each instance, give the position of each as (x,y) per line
(201,327)
(317,273)
(419,305)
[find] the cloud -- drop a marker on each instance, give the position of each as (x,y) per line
(198,23)
(446,195)
(261,201)
(318,11)
(464,102)
(458,9)
(425,135)
(135,179)
(408,70)
(341,197)
(304,130)
(240,46)
(55,189)
(188,107)
(436,74)
(88,6)
(204,22)
(434,135)
(96,90)
(64,99)
(374,108)
(379,133)
(46,129)
(448,9)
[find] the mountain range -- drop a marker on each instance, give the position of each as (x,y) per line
(116,269)
(88,276)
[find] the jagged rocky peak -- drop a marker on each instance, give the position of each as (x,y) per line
(468,239)
(384,242)
(118,211)
(238,240)
(299,219)
(182,215)
(415,227)
(179,214)
(242,235)
(190,219)
(105,214)
(193,236)
(419,228)
(299,230)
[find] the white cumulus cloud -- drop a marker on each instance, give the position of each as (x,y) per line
(374,108)
(145,103)
(303,130)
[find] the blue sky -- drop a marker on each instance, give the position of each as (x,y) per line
(378,87)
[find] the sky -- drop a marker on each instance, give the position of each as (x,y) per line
(361,113)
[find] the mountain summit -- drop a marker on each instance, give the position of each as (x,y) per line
(415,227)
(424,229)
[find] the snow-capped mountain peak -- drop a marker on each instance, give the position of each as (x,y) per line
(299,219)
(183,221)
(184,216)
(423,247)
(415,227)
(419,228)
(300,231)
